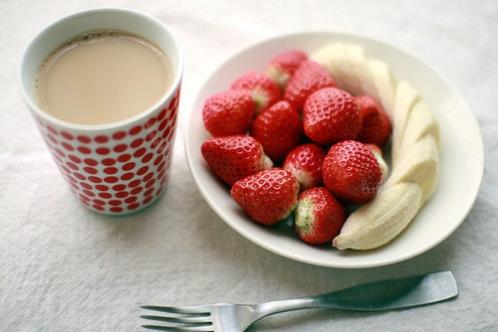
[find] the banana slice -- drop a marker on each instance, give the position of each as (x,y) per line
(420,165)
(420,123)
(350,79)
(323,56)
(333,57)
(359,68)
(406,97)
(384,84)
(379,221)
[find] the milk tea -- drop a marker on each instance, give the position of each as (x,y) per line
(102,77)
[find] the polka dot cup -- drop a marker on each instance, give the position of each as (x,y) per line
(120,167)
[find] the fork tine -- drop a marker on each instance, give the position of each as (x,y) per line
(179,329)
(191,310)
(193,320)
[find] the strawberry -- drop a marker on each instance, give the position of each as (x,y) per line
(267,196)
(305,163)
(283,66)
(319,216)
(228,113)
(264,91)
(234,157)
(351,172)
(330,115)
(308,78)
(376,124)
(278,129)
(377,152)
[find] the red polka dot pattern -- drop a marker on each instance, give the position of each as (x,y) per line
(116,171)
(108,161)
(105,195)
(119,135)
(118,187)
(84,150)
(131,199)
(101,139)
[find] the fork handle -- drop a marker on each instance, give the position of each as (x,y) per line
(328,300)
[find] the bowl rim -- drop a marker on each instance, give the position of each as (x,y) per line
(402,257)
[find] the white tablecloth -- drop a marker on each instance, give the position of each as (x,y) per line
(63,268)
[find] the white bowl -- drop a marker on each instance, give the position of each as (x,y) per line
(461,166)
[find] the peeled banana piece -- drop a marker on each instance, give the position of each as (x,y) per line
(384,83)
(382,219)
(323,56)
(419,165)
(420,123)
(333,58)
(406,97)
(359,67)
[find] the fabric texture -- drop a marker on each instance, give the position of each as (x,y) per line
(64,268)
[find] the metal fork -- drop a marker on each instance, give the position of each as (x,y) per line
(382,295)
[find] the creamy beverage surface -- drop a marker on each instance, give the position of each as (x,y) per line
(103,77)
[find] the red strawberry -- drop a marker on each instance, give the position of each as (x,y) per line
(308,78)
(267,196)
(330,115)
(264,91)
(234,157)
(283,66)
(351,172)
(228,113)
(305,163)
(278,129)
(319,216)
(376,124)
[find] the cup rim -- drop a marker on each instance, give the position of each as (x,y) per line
(112,125)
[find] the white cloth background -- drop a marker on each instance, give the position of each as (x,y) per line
(63,268)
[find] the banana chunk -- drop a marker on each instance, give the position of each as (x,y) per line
(384,84)
(323,56)
(353,79)
(333,58)
(406,97)
(381,220)
(359,68)
(420,123)
(420,165)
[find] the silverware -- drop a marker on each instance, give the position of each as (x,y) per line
(381,295)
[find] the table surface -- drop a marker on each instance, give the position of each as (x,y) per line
(64,268)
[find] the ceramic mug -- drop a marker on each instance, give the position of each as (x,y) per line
(114,168)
